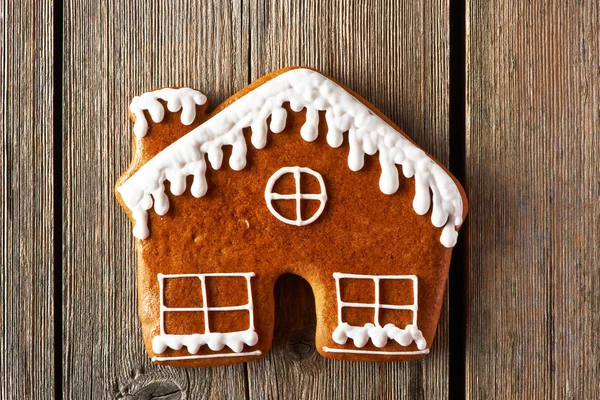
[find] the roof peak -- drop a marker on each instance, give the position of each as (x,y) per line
(307,89)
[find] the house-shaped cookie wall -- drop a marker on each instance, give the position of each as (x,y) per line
(294,174)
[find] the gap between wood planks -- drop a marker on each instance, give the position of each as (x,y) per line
(457,136)
(57,37)
(458,270)
(458,267)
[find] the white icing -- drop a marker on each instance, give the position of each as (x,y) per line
(298,196)
(302,88)
(378,352)
(197,357)
(216,341)
(379,335)
(184,99)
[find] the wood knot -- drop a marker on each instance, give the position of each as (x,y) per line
(300,344)
(152,387)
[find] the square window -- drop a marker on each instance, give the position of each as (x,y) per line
(184,322)
(400,318)
(226,291)
(358,316)
(182,292)
(229,321)
(397,292)
(354,290)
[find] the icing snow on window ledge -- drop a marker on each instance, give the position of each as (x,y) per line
(216,341)
(302,88)
(379,335)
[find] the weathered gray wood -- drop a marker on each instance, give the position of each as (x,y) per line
(533,172)
(114,51)
(26,276)
(395,54)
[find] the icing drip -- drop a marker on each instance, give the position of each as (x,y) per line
(378,335)
(302,88)
(216,341)
(177,99)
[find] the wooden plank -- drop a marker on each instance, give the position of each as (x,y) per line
(114,51)
(395,54)
(26,277)
(533,139)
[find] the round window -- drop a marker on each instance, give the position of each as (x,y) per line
(297,195)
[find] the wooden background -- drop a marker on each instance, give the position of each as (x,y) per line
(506,93)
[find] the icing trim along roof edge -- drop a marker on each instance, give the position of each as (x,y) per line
(302,88)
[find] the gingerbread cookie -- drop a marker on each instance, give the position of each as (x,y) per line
(293,174)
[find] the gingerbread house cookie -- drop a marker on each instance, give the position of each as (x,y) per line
(293,174)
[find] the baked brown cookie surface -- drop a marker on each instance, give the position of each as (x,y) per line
(293,174)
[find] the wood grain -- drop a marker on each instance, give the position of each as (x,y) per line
(533,173)
(395,55)
(115,51)
(26,276)
(112,52)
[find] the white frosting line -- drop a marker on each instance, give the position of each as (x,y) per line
(249,353)
(375,332)
(379,353)
(216,341)
(298,196)
(302,88)
(177,99)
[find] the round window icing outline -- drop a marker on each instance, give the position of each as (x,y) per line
(298,196)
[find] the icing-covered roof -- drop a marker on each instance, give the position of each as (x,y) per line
(302,88)
(183,99)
